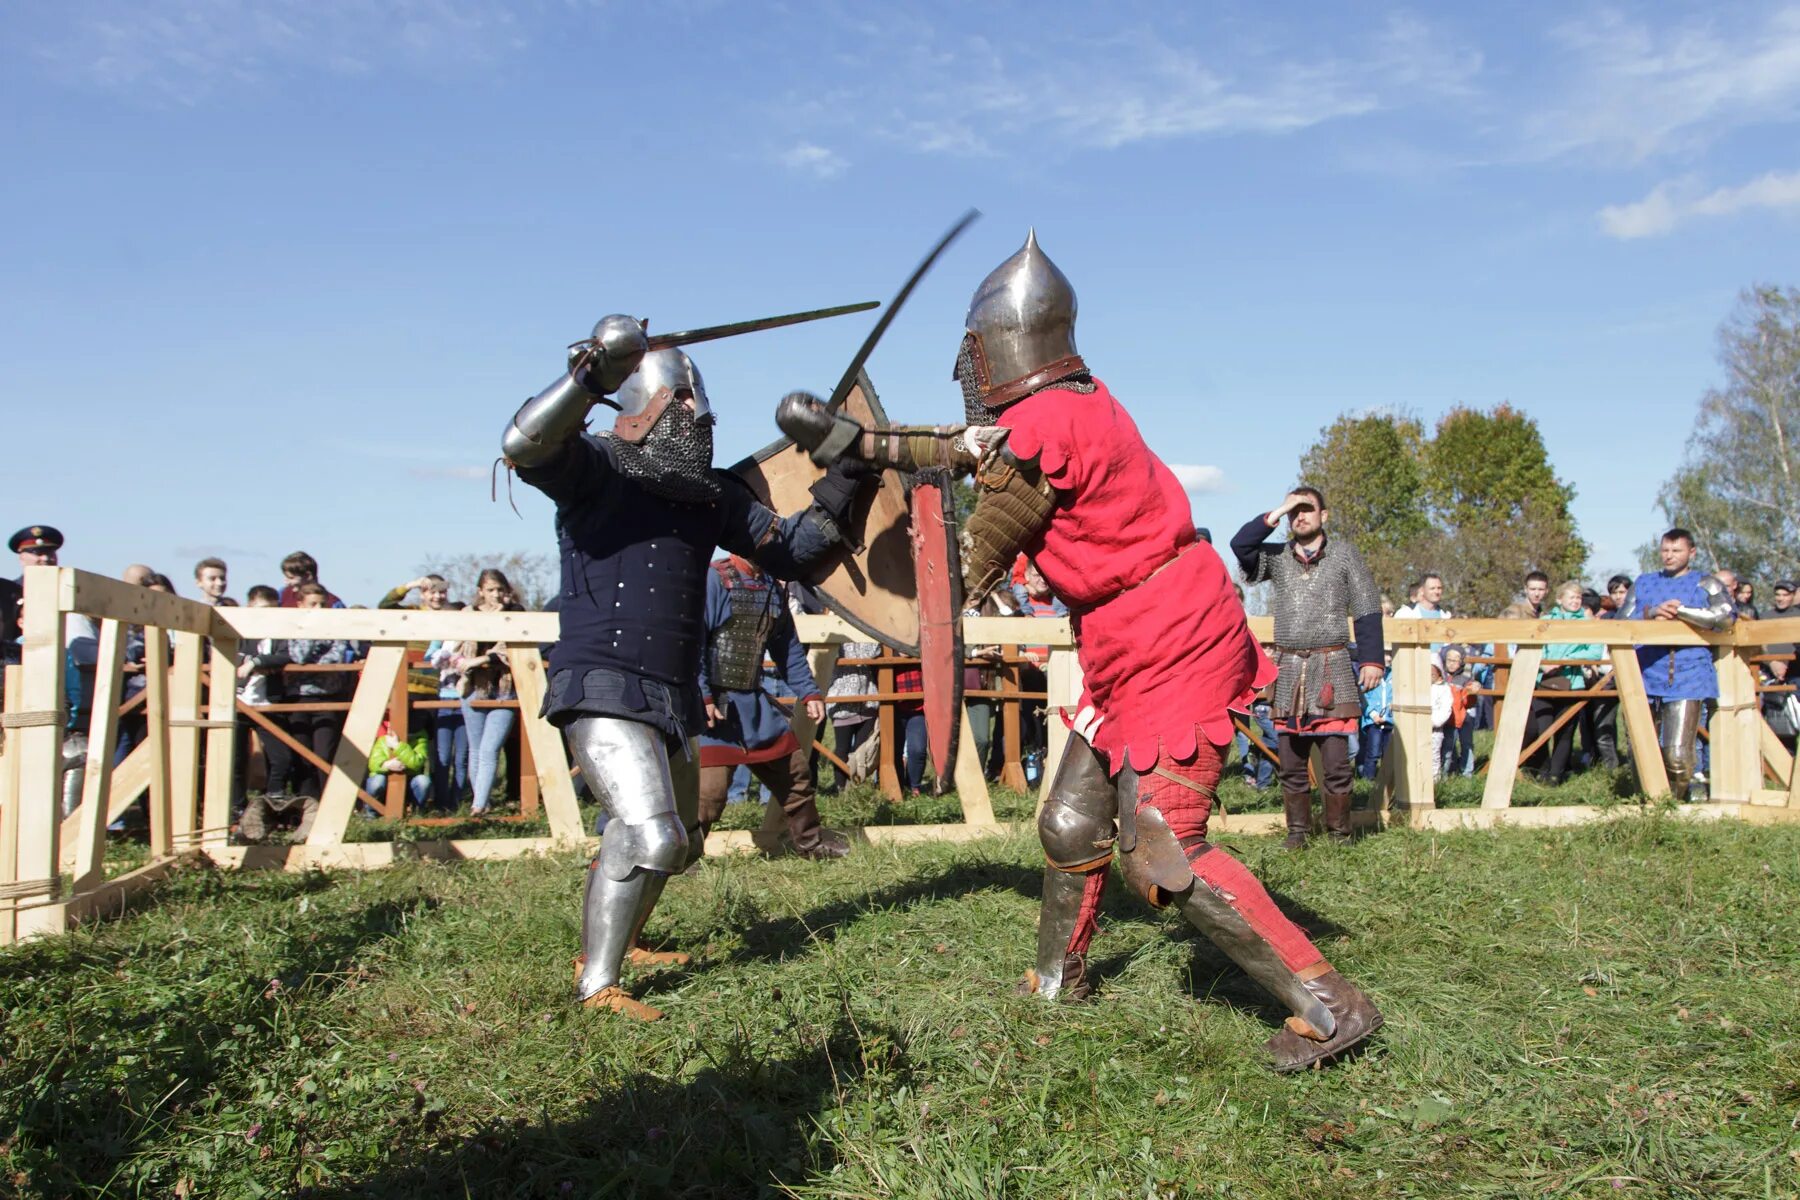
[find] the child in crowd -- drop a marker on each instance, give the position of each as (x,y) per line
(1442,709)
(392,756)
(486,676)
(1377,722)
(449,736)
(1459,737)
(318,731)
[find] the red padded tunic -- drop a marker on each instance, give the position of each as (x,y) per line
(1163,643)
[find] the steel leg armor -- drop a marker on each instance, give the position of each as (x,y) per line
(1680,725)
(646,841)
(1077,831)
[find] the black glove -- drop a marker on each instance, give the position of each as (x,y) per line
(836,492)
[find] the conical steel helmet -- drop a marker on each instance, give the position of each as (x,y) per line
(670,369)
(1021,328)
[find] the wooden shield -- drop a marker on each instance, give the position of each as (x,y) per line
(870,582)
(938,568)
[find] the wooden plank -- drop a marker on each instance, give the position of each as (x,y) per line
(1541,632)
(1018,631)
(99,596)
(1062,688)
(548,753)
(1736,749)
(1509,735)
(1012,719)
(221,743)
(1640,726)
(887,752)
(39,793)
(156,717)
(356,742)
(819,628)
(13,692)
(108,898)
(103,736)
(184,736)
(1414,772)
(971,782)
(130,779)
(393,625)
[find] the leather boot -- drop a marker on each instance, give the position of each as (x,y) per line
(1299,818)
(826,843)
(1337,818)
(1300,1046)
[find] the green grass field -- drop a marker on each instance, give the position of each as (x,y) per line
(1603,1011)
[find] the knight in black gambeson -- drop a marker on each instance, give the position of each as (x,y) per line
(639,513)
(747,616)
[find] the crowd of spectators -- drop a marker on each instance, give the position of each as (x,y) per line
(455,749)
(1574,673)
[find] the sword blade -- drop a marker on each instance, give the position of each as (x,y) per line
(712,333)
(842,391)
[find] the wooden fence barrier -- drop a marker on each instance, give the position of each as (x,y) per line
(51,867)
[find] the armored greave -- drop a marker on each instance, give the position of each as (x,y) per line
(1223,900)
(1077,830)
(646,838)
(1680,725)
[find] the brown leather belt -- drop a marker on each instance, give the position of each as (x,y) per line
(1309,651)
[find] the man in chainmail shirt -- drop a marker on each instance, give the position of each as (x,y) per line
(1314,583)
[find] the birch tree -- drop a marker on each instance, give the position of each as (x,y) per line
(1738,488)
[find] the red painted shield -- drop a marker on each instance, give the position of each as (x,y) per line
(938,570)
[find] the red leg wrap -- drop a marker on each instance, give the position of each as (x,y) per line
(1233,880)
(1087,920)
(1187,812)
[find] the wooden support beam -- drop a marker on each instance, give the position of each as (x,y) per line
(156,718)
(1062,687)
(90,818)
(1640,726)
(1736,749)
(184,736)
(549,756)
(1414,772)
(221,743)
(44,705)
(356,742)
(100,596)
(971,781)
(393,625)
(1509,736)
(13,694)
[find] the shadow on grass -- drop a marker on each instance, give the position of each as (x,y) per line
(777,938)
(739,1127)
(123,1074)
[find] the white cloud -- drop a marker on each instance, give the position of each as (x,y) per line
(186,50)
(963,93)
(1199,480)
(808,159)
(1672,203)
(1637,92)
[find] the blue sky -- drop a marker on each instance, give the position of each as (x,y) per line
(276,274)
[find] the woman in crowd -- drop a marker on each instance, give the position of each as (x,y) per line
(1564,676)
(486,675)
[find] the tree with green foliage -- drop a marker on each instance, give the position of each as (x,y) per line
(1368,466)
(1738,489)
(1477,502)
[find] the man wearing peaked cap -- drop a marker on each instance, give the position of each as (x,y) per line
(36,545)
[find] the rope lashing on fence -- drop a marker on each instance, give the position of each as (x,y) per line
(26,720)
(24,889)
(199,723)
